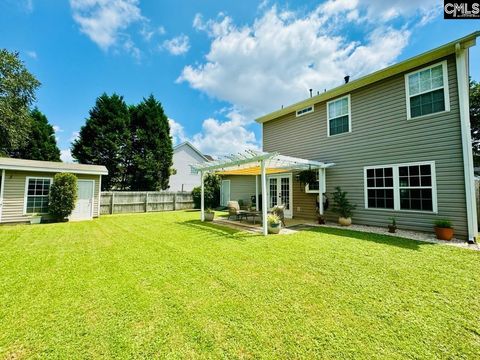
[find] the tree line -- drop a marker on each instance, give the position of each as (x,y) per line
(132,141)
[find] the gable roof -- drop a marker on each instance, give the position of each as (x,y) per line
(51,166)
(186,143)
(426,57)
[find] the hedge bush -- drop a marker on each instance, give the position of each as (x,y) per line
(63,195)
(212,192)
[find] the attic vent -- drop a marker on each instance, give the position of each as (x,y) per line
(304,111)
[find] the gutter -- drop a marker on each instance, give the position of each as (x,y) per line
(461,56)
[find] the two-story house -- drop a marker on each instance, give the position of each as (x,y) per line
(183,179)
(399,139)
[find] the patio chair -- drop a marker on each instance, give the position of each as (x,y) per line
(279,210)
(234,210)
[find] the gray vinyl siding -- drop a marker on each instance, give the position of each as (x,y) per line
(381,135)
(242,187)
(14,194)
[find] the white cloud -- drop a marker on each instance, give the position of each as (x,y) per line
(177,132)
(218,137)
(66,156)
(32,54)
(275,61)
(57,128)
(178,45)
(75,135)
(104,20)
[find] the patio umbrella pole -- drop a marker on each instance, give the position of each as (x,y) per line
(320,191)
(264,197)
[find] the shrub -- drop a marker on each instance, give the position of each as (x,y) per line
(63,194)
(443,223)
(212,192)
(273,219)
(341,205)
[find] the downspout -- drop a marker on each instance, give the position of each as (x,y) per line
(2,187)
(464,107)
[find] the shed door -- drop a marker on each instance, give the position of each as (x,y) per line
(84,207)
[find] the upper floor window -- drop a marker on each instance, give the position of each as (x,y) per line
(427,91)
(36,195)
(304,111)
(339,116)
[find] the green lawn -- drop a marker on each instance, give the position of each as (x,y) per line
(165,285)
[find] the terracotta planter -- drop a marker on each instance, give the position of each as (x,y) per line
(273,228)
(444,233)
(209,216)
(392,229)
(345,221)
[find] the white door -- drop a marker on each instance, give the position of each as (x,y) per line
(225,192)
(279,192)
(84,207)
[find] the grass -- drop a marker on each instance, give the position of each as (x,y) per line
(167,286)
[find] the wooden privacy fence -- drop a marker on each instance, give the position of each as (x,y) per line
(119,202)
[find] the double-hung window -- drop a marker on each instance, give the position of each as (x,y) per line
(339,116)
(36,195)
(427,91)
(401,187)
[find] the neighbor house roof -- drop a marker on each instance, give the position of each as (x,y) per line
(186,143)
(406,65)
(51,166)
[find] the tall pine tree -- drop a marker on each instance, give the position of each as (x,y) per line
(475,120)
(152,148)
(105,140)
(40,143)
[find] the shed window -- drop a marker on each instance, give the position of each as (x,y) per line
(401,187)
(427,91)
(36,200)
(338,114)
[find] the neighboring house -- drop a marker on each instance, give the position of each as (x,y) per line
(184,155)
(399,139)
(25,186)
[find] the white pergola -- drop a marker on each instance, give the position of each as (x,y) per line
(253,162)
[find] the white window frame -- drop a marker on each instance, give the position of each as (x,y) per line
(307,186)
(445,88)
(396,186)
(309,109)
(25,195)
(349,115)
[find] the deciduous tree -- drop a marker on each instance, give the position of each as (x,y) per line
(17,94)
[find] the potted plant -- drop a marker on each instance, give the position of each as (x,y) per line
(321,219)
(274,224)
(392,227)
(209,214)
(36,219)
(342,207)
(443,229)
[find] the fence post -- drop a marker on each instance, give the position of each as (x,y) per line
(146,201)
(174,201)
(112,204)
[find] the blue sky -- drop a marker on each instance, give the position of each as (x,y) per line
(214,65)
